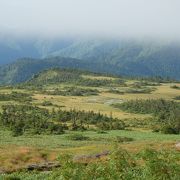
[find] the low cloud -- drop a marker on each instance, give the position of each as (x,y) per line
(137,18)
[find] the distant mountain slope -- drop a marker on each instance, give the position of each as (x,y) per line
(12,48)
(130,57)
(23,69)
(122,57)
(64,75)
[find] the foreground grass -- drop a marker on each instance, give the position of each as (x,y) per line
(148,164)
(60,141)
(18,152)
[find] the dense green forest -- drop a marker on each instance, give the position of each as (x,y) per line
(166,113)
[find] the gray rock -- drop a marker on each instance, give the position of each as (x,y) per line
(88,157)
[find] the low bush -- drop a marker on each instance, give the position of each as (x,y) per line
(47,103)
(120,139)
(175,87)
(16,96)
(177,98)
(169,130)
(78,137)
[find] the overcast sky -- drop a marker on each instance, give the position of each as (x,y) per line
(159,18)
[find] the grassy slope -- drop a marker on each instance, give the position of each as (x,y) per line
(28,149)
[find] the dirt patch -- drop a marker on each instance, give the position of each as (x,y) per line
(13,158)
(177,145)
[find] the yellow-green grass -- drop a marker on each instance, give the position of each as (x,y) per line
(85,103)
(102,102)
(164,91)
(17,152)
(98,77)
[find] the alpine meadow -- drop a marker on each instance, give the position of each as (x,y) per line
(89,90)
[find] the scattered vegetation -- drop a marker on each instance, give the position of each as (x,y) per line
(42,117)
(177,98)
(72,91)
(23,118)
(175,87)
(140,90)
(16,96)
(141,83)
(74,77)
(120,139)
(77,137)
(47,103)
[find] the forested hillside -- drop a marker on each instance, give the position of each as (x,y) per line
(25,68)
(126,57)
(131,57)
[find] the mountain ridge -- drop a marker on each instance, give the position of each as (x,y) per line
(120,57)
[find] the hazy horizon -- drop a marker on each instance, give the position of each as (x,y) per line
(102,18)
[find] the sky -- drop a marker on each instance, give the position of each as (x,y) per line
(152,18)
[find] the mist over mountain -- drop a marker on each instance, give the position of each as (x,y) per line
(134,57)
(135,38)
(116,56)
(12,47)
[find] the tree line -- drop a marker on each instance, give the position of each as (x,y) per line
(27,118)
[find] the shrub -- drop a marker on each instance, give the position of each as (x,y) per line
(78,137)
(17,130)
(120,139)
(169,130)
(101,132)
(47,103)
(175,87)
(177,98)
